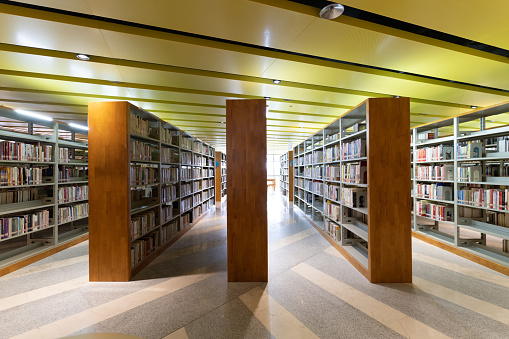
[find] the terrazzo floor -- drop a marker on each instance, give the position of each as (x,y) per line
(313,292)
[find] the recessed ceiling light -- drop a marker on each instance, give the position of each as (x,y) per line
(266,98)
(82,57)
(32,114)
(276,82)
(78,126)
(473,106)
(331,11)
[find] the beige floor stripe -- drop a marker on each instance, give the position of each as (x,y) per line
(94,315)
(44,267)
(178,334)
(206,230)
(331,250)
(388,316)
(41,293)
(280,322)
(478,274)
(476,305)
(291,239)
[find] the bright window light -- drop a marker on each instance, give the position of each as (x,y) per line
(32,114)
(78,126)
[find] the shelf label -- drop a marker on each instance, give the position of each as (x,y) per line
(217,163)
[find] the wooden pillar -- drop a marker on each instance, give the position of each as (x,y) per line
(390,242)
(109,197)
(246,146)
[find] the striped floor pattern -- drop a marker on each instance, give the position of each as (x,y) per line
(313,292)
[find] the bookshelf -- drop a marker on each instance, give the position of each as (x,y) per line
(43,188)
(220,177)
(150,182)
(461,185)
(286,175)
(349,177)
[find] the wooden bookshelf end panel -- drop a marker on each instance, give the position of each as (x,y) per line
(246,144)
(390,254)
(109,191)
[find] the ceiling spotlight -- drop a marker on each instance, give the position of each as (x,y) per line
(32,114)
(331,11)
(276,82)
(83,57)
(78,126)
(266,98)
(473,106)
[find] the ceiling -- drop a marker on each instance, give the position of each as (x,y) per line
(182,60)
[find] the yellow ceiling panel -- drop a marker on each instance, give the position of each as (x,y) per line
(485,21)
(235,86)
(298,72)
(332,39)
(234,20)
(53,66)
(80,6)
(132,47)
(25,31)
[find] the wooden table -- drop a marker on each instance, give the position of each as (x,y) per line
(271,182)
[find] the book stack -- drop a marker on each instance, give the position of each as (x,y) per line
(471,173)
(434,211)
(20,151)
(436,153)
(21,224)
(353,150)
(139,126)
(19,195)
(354,173)
(435,172)
(70,213)
(354,197)
(143,175)
(333,172)
(16,176)
(470,150)
(332,154)
(434,191)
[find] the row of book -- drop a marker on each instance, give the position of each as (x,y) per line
(308,158)
(72,193)
(354,173)
(331,137)
(169,174)
(139,150)
(354,197)
(434,191)
(489,198)
(308,172)
(332,153)
(435,153)
(333,172)
(497,170)
(142,175)
(497,218)
(169,155)
(332,229)
(186,189)
(435,172)
(139,125)
(168,213)
(186,204)
(143,247)
(169,193)
(207,194)
(317,187)
(197,211)
(332,211)
(196,199)
(199,160)
(470,150)
(20,151)
(308,197)
(142,224)
(65,173)
(138,194)
(317,157)
(70,213)
(434,211)
(186,143)
(22,224)
(169,136)
(333,192)
(15,176)
(18,195)
(353,150)
(470,173)
(186,158)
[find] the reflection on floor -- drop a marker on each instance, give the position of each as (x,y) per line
(313,292)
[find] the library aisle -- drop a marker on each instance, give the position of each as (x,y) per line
(312,292)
